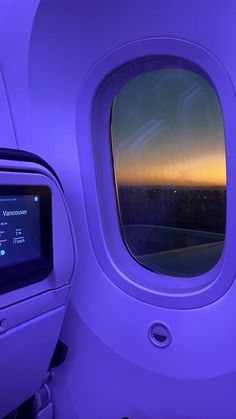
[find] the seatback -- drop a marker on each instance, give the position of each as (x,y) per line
(37,259)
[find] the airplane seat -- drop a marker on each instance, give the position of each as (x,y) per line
(37,261)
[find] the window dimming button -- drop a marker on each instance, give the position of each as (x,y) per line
(159,334)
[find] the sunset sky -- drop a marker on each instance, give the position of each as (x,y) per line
(167,129)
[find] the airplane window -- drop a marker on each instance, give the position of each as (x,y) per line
(170,173)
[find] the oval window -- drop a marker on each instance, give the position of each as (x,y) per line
(170,173)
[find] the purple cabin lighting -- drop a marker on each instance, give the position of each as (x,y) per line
(117,210)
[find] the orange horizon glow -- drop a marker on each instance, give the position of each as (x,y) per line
(208,170)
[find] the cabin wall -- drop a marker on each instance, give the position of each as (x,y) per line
(47,50)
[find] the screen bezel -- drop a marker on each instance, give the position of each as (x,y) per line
(26,273)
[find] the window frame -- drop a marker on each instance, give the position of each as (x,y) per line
(96,96)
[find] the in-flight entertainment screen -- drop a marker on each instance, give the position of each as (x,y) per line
(20,236)
(26,254)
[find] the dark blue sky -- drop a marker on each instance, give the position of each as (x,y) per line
(167,129)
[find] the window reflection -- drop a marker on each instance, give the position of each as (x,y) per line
(169,164)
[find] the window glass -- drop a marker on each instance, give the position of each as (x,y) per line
(169,167)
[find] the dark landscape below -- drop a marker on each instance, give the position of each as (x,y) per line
(174,229)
